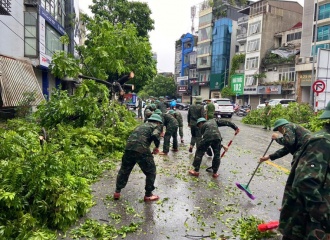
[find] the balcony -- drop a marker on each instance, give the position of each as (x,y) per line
(242,20)
(31,2)
(5,7)
(241,38)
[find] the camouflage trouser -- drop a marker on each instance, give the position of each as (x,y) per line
(147,165)
(139,112)
(267,122)
(170,132)
(202,148)
(195,136)
(181,132)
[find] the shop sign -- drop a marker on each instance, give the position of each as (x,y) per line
(237,83)
(274,89)
(183,88)
(250,91)
(305,78)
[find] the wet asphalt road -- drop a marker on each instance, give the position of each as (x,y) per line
(191,206)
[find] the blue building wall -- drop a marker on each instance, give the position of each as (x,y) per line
(220,53)
(187,39)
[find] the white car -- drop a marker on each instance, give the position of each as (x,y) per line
(223,107)
(274,102)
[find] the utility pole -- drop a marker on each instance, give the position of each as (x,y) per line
(311,95)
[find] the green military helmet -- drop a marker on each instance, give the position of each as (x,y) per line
(171,112)
(156,117)
(157,101)
(326,113)
(161,97)
(198,100)
(200,120)
(280,122)
(153,106)
(157,111)
(148,111)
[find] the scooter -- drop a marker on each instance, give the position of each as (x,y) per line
(243,111)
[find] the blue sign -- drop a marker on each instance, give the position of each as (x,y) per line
(51,20)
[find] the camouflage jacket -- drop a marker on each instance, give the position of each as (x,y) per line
(179,118)
(162,107)
(142,137)
(210,109)
(306,200)
(210,130)
(293,139)
(169,120)
(195,111)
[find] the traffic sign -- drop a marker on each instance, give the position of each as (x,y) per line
(318,86)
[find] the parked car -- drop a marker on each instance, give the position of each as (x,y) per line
(180,106)
(223,107)
(274,102)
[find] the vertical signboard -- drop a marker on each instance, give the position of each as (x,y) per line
(237,84)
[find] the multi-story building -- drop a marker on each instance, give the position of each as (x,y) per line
(31,35)
(315,16)
(266,17)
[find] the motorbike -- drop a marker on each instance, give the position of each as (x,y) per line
(243,111)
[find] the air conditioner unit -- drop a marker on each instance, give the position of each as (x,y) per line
(301,60)
(310,59)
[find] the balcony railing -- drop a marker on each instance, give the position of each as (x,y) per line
(241,37)
(242,20)
(5,7)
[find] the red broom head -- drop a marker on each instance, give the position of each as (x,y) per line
(268,226)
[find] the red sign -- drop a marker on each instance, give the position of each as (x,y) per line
(318,86)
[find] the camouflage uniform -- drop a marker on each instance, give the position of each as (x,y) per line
(195,111)
(210,109)
(178,117)
(151,107)
(306,200)
(140,108)
(293,139)
(267,110)
(138,151)
(211,136)
(147,114)
(171,125)
(162,106)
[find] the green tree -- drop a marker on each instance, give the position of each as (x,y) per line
(123,11)
(160,86)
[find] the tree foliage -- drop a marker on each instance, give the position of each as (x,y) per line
(123,11)
(160,86)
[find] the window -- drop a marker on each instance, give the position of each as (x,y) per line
(324,11)
(323,33)
(204,48)
(204,62)
(286,74)
(252,63)
(204,76)
(30,34)
(204,34)
(53,42)
(192,58)
(293,36)
(254,28)
(55,8)
(250,81)
(253,45)
(325,46)
(192,73)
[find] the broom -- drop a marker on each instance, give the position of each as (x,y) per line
(209,169)
(246,188)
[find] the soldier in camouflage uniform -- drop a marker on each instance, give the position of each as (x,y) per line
(294,137)
(139,108)
(171,125)
(179,118)
(151,107)
(161,105)
(266,115)
(305,213)
(210,110)
(147,114)
(195,112)
(138,151)
(210,137)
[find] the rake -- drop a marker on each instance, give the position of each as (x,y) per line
(246,188)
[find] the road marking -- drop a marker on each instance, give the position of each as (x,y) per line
(278,166)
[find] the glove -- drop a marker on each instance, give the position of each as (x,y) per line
(155,151)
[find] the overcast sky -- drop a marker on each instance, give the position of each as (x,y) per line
(172,19)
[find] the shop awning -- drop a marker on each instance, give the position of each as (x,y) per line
(17,78)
